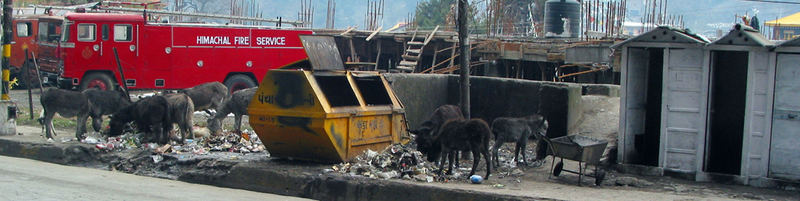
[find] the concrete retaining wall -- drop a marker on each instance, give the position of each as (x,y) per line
(491,97)
(420,93)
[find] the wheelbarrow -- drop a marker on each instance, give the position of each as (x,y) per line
(585,150)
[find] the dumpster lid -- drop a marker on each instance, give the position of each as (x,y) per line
(322,52)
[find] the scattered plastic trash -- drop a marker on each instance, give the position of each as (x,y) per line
(164,149)
(517,172)
(199,151)
(90,140)
(104,146)
(396,161)
(476,179)
(388,175)
(371,154)
(157,158)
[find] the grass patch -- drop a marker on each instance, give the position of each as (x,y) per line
(23,118)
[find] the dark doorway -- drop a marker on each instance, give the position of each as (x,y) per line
(647,143)
(727,108)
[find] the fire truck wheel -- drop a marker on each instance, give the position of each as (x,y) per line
(239,82)
(99,80)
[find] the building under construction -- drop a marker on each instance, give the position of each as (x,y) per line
(554,40)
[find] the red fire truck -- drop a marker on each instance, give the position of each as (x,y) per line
(39,35)
(170,55)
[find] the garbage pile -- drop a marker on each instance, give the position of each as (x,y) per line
(245,142)
(123,142)
(397,161)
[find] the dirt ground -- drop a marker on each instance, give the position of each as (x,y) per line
(600,120)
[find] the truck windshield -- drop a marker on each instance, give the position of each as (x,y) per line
(65,30)
(49,31)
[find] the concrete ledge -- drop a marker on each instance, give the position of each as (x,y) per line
(253,176)
(272,176)
(49,152)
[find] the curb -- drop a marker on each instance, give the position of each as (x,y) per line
(267,177)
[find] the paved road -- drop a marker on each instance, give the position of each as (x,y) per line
(23,179)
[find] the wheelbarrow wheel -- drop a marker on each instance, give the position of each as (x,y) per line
(558,168)
(599,176)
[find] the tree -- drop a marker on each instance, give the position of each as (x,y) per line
(512,16)
(200,6)
(433,12)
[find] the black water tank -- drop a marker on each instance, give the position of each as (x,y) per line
(555,13)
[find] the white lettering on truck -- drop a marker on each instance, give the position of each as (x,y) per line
(271,41)
(241,40)
(213,40)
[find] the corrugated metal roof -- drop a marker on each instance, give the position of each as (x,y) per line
(665,34)
(788,21)
(744,35)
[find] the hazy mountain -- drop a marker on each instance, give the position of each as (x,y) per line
(706,16)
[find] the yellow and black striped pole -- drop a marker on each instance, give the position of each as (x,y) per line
(7,34)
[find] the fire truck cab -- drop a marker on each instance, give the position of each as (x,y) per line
(170,56)
(39,35)
(88,49)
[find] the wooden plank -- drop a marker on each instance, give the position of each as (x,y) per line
(378,59)
(374,33)
(582,72)
(347,31)
(427,40)
(353,55)
(435,53)
(439,64)
(452,55)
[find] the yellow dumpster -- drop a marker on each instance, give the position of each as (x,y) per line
(326,116)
